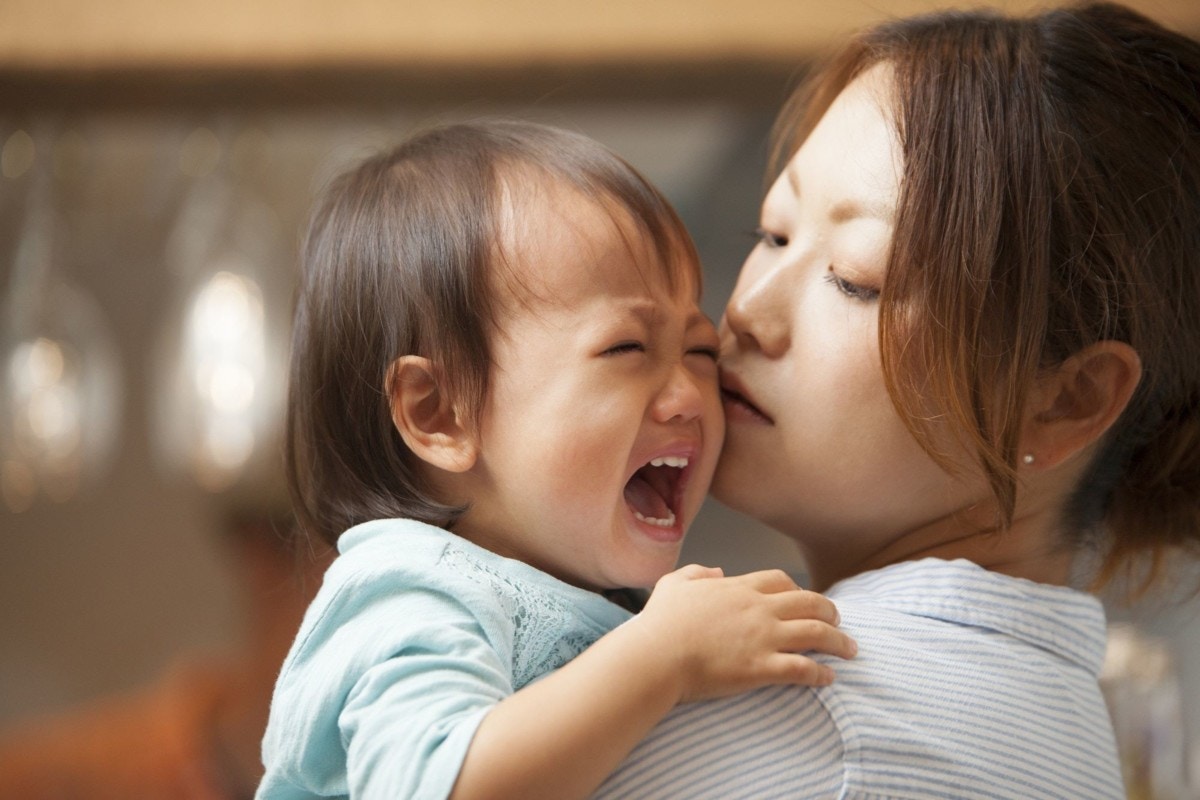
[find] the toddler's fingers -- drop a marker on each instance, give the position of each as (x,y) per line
(803,604)
(807,635)
(797,669)
(768,581)
(692,572)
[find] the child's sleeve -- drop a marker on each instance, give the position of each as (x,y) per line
(408,720)
(382,693)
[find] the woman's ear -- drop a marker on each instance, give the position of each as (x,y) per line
(1075,404)
(426,416)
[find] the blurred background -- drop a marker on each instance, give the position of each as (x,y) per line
(157,162)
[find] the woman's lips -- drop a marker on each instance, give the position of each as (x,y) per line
(738,404)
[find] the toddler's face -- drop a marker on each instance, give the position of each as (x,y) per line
(603,420)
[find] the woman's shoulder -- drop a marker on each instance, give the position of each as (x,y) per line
(961,663)
(777,741)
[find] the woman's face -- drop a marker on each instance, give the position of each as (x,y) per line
(814,446)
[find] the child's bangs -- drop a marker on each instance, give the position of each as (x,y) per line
(620,191)
(675,255)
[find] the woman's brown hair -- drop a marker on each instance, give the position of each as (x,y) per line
(1050,200)
(402,257)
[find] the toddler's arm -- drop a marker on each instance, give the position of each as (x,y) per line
(701,635)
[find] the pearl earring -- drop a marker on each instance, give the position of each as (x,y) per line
(1027,458)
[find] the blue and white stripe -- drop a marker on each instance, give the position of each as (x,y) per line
(968,684)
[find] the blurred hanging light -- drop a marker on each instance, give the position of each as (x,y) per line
(59,390)
(221,362)
(224,354)
(17,155)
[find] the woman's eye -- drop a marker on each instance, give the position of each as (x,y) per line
(864,293)
(706,351)
(625,347)
(770,239)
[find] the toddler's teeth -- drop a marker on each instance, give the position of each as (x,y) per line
(662,523)
(678,462)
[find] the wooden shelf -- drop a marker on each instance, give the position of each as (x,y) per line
(154,34)
(79,55)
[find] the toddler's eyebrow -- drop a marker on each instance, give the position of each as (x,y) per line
(649,313)
(645,310)
(698,317)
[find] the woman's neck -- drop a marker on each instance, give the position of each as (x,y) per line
(1030,548)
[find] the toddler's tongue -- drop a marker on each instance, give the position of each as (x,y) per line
(645,499)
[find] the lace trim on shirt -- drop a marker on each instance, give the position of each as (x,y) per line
(547,631)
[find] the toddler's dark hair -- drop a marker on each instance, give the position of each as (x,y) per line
(401,258)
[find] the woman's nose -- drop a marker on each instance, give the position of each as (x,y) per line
(757,315)
(682,397)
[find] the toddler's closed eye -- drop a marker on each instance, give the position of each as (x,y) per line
(625,347)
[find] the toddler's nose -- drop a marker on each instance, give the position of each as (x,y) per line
(681,398)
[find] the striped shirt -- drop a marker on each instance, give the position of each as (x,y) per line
(968,684)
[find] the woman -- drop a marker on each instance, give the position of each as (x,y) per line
(961,362)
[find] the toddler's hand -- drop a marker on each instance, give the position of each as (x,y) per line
(728,635)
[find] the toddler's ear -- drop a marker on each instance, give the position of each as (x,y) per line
(427,418)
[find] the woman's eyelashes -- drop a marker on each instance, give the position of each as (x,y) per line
(866,294)
(862,293)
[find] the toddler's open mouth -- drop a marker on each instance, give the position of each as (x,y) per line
(655,491)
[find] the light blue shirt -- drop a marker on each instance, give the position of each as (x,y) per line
(968,684)
(414,635)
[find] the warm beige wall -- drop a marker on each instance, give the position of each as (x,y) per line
(132,33)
